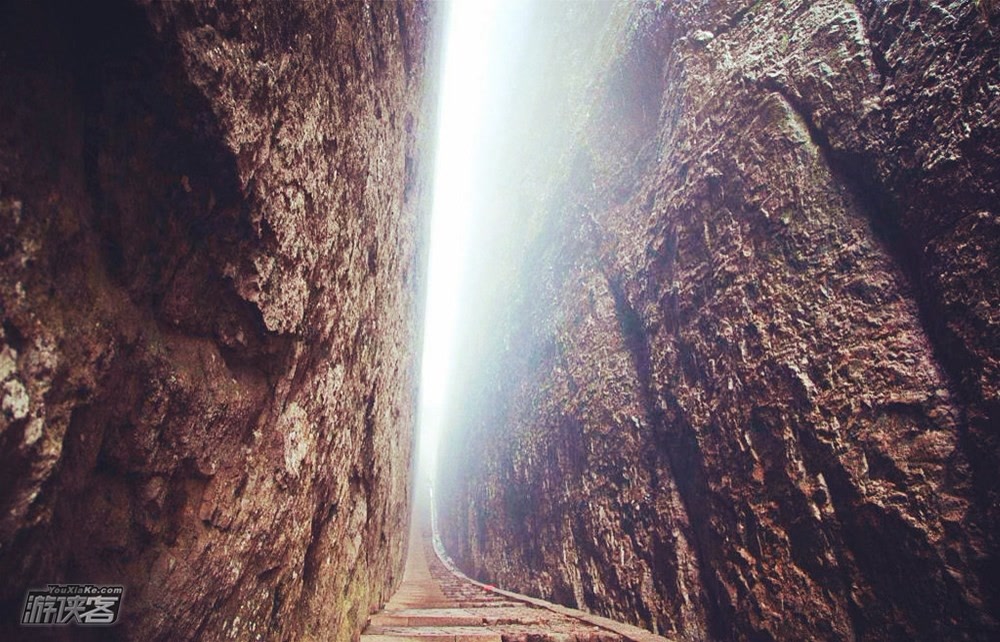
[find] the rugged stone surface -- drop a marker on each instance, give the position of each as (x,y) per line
(208,287)
(748,388)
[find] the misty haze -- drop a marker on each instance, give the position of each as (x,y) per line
(500,320)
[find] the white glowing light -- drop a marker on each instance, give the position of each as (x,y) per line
(469,54)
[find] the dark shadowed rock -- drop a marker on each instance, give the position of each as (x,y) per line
(748,389)
(208,282)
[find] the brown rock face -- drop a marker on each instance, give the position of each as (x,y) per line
(208,285)
(748,387)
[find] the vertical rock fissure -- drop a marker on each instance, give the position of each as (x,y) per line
(766,261)
(875,200)
(676,439)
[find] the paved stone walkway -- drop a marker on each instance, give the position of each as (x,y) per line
(436,603)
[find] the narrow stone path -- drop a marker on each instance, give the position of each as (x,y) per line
(436,603)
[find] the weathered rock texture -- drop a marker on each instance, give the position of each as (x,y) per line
(748,388)
(208,269)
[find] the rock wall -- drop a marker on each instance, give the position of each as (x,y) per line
(747,384)
(209,274)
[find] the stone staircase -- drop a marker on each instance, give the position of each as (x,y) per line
(436,603)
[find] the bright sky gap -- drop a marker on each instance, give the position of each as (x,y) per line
(464,75)
(481,41)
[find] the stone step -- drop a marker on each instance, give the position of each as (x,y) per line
(437,604)
(427,617)
(430,634)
